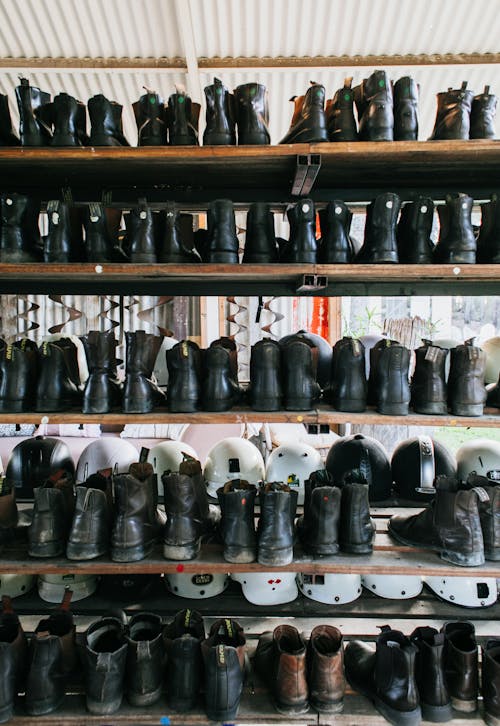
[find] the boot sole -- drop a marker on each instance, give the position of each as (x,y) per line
(95,407)
(436,714)
(350,406)
(144,699)
(299,404)
(464,706)
(51,549)
(357,549)
(394,409)
(398,718)
(436,409)
(468,410)
(255,140)
(133,407)
(102,708)
(295,709)
(181,552)
(453,557)
(82,552)
(141,259)
(131,554)
(239,555)
(269,404)
(275,558)
(13,406)
(333,707)
(183,406)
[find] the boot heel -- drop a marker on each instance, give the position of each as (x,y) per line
(186,406)
(130,554)
(394,409)
(472,560)
(267,404)
(239,555)
(299,404)
(10,406)
(464,706)
(181,552)
(468,409)
(275,557)
(350,405)
(50,549)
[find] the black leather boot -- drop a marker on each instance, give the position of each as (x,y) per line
(317,529)
(266,391)
(428,385)
(18,376)
(275,531)
(171,247)
(140,393)
(348,388)
(299,364)
(335,245)
(151,119)
(482,116)
(309,119)
(435,700)
(57,387)
(453,114)
(106,122)
(141,233)
(182,638)
(406,109)
(415,246)
(220,390)
(98,241)
(220,116)
(489,509)
(184,377)
(145,659)
(93,518)
(374,104)
(70,121)
(182,119)
(224,658)
(302,246)
(340,114)
(260,238)
(490,681)
(16,239)
(392,374)
(222,241)
(457,242)
(104,655)
(58,244)
(379,244)
(373,378)
(237,501)
(252,114)
(54,506)
(7,134)
(186,505)
(356,528)
(488,241)
(102,391)
(33,130)
(13,658)
(461,665)
(466,390)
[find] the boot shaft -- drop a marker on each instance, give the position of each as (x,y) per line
(453,113)
(277,511)
(392,374)
(291,675)
(141,230)
(18,371)
(457,242)
(335,245)
(252,114)
(104,660)
(30,102)
(221,388)
(309,119)
(106,122)
(136,493)
(69,118)
(183,117)
(265,375)
(222,239)
(98,242)
(150,117)
(299,366)
(322,515)
(184,376)
(172,247)
(466,389)
(428,385)
(429,668)
(220,115)
(406,92)
(374,103)
(357,530)
(325,665)
(380,230)
(482,117)
(340,114)
(414,232)
(491,678)
(58,245)
(141,351)
(260,238)
(348,386)
(100,351)
(395,668)
(145,658)
(302,245)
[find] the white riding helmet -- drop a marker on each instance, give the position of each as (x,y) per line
(470,592)
(330,588)
(51,587)
(232,458)
(267,588)
(196,587)
(394,587)
(15,585)
(166,456)
(293,464)
(492,349)
(481,456)
(107,453)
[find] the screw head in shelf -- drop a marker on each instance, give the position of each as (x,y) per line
(457,270)
(98,269)
(44,420)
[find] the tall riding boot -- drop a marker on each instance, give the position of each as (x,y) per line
(224,659)
(102,390)
(145,659)
(222,240)
(171,247)
(379,244)
(428,385)
(461,665)
(490,681)
(394,387)
(435,700)
(488,241)
(482,116)
(141,233)
(317,529)
(7,134)
(302,245)
(98,241)
(415,246)
(13,658)
(453,114)
(325,669)
(92,519)
(347,390)
(340,114)
(266,391)
(182,638)
(237,501)
(16,243)
(182,119)
(335,245)
(299,364)
(252,114)
(374,104)
(275,531)
(57,389)
(184,377)
(280,658)
(309,119)
(33,131)
(457,242)
(104,657)
(220,390)
(406,109)
(140,393)
(260,238)
(466,390)
(220,116)
(69,121)
(356,528)
(106,122)
(54,506)
(150,117)
(18,376)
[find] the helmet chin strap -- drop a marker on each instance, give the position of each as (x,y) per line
(427,466)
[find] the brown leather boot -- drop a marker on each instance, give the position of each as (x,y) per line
(325,669)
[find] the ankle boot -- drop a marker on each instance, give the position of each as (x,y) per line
(453,114)
(220,116)
(280,658)
(482,116)
(150,117)
(386,675)
(58,245)
(13,658)
(466,390)
(428,385)
(102,391)
(457,242)
(33,131)
(450,524)
(8,511)
(317,529)
(16,243)
(237,501)
(493,394)
(260,238)
(182,118)
(340,114)
(435,700)
(140,393)
(184,377)
(141,232)
(171,247)
(106,122)
(7,134)
(145,659)
(299,364)
(98,241)
(182,638)
(461,665)
(325,669)
(373,378)
(489,513)
(356,529)
(374,104)
(93,518)
(70,121)
(221,390)
(415,246)
(104,655)
(252,114)
(406,109)
(488,241)
(54,506)
(56,386)
(490,681)
(18,376)
(335,245)
(222,240)
(347,389)
(275,531)
(187,512)
(379,244)
(309,120)
(224,658)
(392,374)
(302,245)
(266,392)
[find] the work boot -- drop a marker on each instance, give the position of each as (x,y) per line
(275,530)
(299,365)
(186,506)
(490,681)
(482,115)
(33,130)
(151,119)
(325,669)
(266,392)
(379,245)
(54,506)
(461,665)
(171,247)
(457,242)
(413,234)
(102,391)
(182,638)
(302,245)
(137,524)
(386,675)
(280,659)
(406,92)
(393,385)
(16,244)
(260,237)
(317,528)
(466,390)
(184,377)
(58,244)
(347,389)
(7,134)
(182,119)
(93,518)
(141,229)
(450,524)
(224,658)
(98,241)
(340,114)
(488,241)
(145,659)
(57,389)
(428,385)
(69,120)
(220,390)
(222,241)
(237,501)
(435,700)
(453,114)
(252,114)
(308,123)
(106,122)
(373,378)
(374,105)
(220,127)
(13,658)
(104,656)
(489,513)
(140,393)
(18,376)
(335,246)
(356,528)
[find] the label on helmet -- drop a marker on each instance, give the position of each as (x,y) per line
(229,627)
(431,354)
(201,580)
(493,474)
(221,656)
(187,618)
(293,480)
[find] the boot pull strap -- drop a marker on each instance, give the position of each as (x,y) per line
(464,86)
(23,81)
(486,91)
(348,82)
(95,211)
(7,604)
(143,456)
(65,603)
(384,628)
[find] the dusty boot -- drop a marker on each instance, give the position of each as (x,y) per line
(13,658)
(302,245)
(386,675)
(70,120)
(104,657)
(489,513)
(186,514)
(18,376)
(252,114)
(299,363)
(140,393)
(428,385)
(347,390)
(102,390)
(56,387)
(317,529)
(450,524)
(33,131)
(482,116)
(98,241)
(224,658)
(488,241)
(16,244)
(7,134)
(182,119)
(237,501)
(220,116)
(356,528)
(222,240)
(93,518)
(490,682)
(171,247)
(461,665)
(457,242)
(141,230)
(392,374)
(280,659)
(309,120)
(275,531)
(137,524)
(435,700)
(220,390)
(106,122)
(184,377)
(466,390)
(340,114)
(453,114)
(374,104)
(325,669)
(380,244)
(145,659)
(54,505)
(406,92)
(335,245)
(413,234)
(150,117)
(182,638)
(260,238)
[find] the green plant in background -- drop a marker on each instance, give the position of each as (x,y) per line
(368,321)
(454,436)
